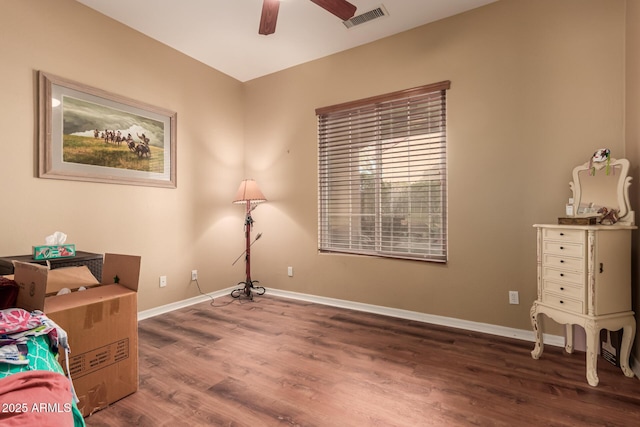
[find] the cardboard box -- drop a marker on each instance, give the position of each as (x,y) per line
(611,341)
(101,324)
(53,251)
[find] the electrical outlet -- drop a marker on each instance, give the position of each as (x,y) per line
(514,298)
(163,281)
(194,274)
(290,271)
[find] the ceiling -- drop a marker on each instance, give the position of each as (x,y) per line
(224,33)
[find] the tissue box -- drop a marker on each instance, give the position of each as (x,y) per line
(54,251)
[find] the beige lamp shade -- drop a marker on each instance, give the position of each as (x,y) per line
(249,192)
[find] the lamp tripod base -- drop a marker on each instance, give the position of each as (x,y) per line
(248,289)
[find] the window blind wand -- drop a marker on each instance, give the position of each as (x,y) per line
(259,235)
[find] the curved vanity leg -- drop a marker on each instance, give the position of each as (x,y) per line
(568,346)
(592,352)
(537,332)
(628,335)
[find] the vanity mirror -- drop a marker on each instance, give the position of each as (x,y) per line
(605,184)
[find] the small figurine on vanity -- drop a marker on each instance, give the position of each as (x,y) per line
(584,262)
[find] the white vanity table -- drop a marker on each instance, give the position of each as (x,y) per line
(584,271)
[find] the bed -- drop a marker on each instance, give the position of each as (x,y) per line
(33,387)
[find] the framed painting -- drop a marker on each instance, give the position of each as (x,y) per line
(88,134)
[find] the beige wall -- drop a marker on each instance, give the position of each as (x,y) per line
(536,88)
(632,137)
(174,230)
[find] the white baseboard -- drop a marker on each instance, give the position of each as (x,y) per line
(487,328)
(526,335)
(156,311)
(635,366)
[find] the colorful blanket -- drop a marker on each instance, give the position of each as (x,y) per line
(17,324)
(37,339)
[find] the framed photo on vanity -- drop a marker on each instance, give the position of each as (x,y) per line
(88,134)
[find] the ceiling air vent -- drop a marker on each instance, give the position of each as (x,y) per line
(376,13)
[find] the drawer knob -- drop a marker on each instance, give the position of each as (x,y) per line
(562,288)
(561,261)
(562,234)
(561,302)
(561,274)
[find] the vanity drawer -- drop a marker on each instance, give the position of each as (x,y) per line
(564,290)
(563,235)
(568,304)
(563,275)
(577,264)
(561,248)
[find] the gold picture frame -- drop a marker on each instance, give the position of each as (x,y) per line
(88,134)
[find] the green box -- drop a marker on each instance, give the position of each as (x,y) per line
(54,251)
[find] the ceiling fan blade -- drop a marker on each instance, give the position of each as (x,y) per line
(269,17)
(341,8)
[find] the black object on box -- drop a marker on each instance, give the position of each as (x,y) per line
(611,341)
(8,293)
(91,260)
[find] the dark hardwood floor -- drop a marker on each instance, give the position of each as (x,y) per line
(280,362)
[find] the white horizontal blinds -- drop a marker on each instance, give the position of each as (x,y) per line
(382,175)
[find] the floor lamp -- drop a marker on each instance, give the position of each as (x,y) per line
(250,195)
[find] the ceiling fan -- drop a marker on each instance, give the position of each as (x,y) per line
(340,8)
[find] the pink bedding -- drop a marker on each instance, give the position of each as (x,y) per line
(35,398)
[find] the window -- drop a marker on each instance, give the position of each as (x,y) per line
(382,175)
